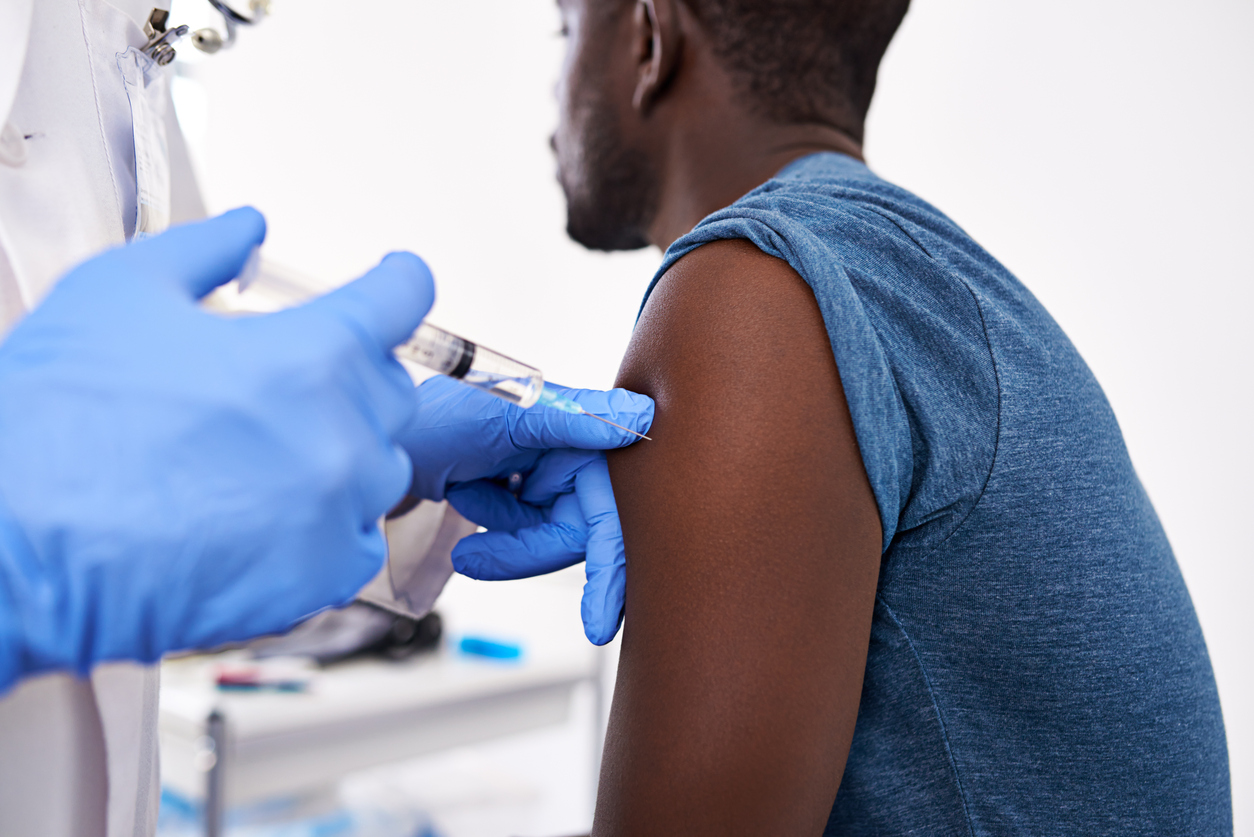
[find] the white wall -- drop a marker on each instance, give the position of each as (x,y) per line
(427,130)
(1100,148)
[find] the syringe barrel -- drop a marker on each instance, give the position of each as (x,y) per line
(494,373)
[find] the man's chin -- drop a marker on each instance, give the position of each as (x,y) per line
(603,234)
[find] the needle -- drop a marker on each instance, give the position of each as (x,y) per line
(619,426)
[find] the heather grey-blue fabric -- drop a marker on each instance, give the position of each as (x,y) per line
(1035,666)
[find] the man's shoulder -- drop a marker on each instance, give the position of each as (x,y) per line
(834,221)
(834,209)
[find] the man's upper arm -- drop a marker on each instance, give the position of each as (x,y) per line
(753,546)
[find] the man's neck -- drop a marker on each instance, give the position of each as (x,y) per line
(711,163)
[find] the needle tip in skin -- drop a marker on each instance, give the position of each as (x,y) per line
(619,426)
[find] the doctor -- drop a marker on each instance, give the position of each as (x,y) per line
(172,480)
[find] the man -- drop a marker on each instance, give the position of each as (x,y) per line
(174,480)
(892,571)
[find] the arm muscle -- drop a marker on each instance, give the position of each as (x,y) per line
(753,545)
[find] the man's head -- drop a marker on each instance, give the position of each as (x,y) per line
(641,73)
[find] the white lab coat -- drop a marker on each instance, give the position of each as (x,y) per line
(78,757)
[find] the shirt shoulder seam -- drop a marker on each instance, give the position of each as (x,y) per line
(992,356)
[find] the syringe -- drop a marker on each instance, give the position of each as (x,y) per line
(430,346)
(490,371)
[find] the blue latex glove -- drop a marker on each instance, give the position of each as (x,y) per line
(535,534)
(171,479)
(467,445)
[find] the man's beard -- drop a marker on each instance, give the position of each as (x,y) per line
(614,197)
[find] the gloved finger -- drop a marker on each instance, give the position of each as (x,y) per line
(554,475)
(541,427)
(504,556)
(565,509)
(198,257)
(386,305)
(447,401)
(492,507)
(455,435)
(452,410)
(604,594)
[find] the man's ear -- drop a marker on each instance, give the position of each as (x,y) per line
(658,39)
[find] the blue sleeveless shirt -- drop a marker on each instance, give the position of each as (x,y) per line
(1035,666)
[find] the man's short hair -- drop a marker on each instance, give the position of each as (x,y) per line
(804,60)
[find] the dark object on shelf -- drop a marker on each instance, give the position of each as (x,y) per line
(359,630)
(409,636)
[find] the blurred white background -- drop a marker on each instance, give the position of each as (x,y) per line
(1100,148)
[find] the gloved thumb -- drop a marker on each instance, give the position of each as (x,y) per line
(196,258)
(387,304)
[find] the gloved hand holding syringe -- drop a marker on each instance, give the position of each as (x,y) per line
(494,373)
(438,350)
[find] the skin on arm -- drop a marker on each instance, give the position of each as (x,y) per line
(753,547)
